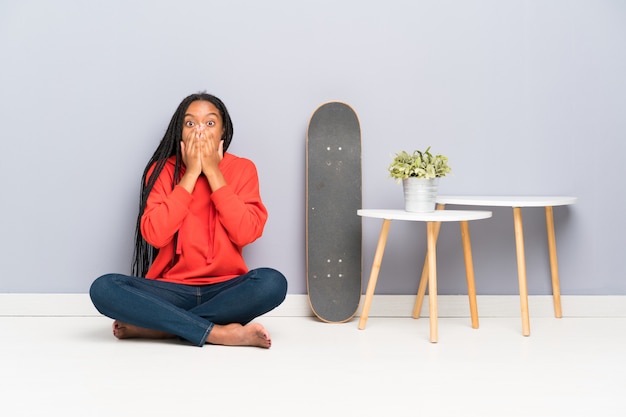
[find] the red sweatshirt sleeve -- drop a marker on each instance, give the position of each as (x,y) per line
(165,211)
(238,204)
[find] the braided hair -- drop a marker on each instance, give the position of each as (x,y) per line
(144,253)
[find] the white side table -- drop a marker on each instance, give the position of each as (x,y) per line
(433,221)
(517,203)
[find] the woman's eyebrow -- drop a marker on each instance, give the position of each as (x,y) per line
(208,114)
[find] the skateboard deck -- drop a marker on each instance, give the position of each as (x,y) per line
(333,196)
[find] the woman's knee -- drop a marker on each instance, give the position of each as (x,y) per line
(102,289)
(275,282)
(100,284)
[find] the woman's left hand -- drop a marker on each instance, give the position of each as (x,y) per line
(212,154)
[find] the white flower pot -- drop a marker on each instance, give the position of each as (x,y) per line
(420,194)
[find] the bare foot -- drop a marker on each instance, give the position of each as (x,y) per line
(129,331)
(253,334)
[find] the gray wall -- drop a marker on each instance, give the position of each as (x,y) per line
(525,97)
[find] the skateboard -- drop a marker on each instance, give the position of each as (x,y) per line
(333,196)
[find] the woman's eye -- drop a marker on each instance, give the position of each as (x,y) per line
(210,123)
(189,123)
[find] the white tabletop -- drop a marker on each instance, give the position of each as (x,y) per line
(506,201)
(433,216)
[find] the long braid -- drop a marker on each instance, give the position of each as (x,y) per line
(144,253)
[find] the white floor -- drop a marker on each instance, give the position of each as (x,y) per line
(73,366)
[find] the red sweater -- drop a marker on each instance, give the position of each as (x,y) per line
(212,227)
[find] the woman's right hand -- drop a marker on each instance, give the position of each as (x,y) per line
(191,153)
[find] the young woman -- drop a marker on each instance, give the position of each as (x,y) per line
(199,207)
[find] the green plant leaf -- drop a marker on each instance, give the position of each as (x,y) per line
(418,164)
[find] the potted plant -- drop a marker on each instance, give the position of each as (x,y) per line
(419,173)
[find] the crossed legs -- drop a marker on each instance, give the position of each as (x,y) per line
(216,314)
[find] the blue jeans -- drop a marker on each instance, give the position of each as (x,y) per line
(189,312)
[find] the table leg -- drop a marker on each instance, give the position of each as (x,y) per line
(423,283)
(432,279)
(469,272)
(371,286)
(521,269)
(554,268)
(421,290)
